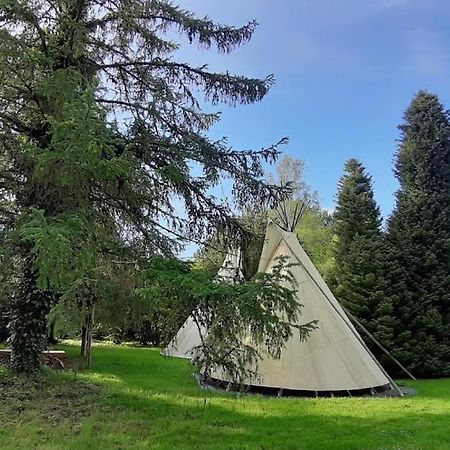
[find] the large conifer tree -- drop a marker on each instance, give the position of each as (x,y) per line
(419,231)
(100,130)
(358,246)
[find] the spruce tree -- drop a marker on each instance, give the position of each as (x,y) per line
(419,231)
(357,213)
(101,130)
(359,248)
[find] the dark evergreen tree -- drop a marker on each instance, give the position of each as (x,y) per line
(357,213)
(419,231)
(101,129)
(360,252)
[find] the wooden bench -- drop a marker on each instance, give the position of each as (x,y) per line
(54,358)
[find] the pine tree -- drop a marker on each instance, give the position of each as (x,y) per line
(359,247)
(357,213)
(419,231)
(100,131)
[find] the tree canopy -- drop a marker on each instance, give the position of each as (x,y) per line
(102,133)
(357,227)
(419,231)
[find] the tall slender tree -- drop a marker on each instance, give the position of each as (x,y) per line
(419,231)
(358,246)
(101,130)
(357,213)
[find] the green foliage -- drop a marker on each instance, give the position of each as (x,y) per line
(101,130)
(314,230)
(4,301)
(255,223)
(315,233)
(56,226)
(260,314)
(4,319)
(63,248)
(211,256)
(356,211)
(419,232)
(119,312)
(28,325)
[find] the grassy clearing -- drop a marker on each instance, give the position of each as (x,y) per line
(136,399)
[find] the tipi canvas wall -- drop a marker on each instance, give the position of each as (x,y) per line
(334,357)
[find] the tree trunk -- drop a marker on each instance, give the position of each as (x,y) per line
(51,333)
(89,327)
(29,308)
(83,340)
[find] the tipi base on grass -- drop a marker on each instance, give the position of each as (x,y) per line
(380,391)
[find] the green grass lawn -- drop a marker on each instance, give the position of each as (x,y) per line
(136,399)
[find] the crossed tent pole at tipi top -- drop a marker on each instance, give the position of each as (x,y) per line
(334,358)
(289,214)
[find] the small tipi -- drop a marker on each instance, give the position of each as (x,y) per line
(189,336)
(334,358)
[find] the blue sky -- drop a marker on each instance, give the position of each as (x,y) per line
(345,70)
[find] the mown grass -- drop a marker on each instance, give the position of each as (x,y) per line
(136,399)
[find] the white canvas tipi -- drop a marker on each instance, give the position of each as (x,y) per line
(334,357)
(189,335)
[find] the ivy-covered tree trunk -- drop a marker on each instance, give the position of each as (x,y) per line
(30,307)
